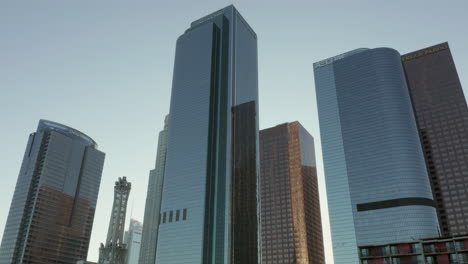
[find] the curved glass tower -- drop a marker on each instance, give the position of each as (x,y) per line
(52,211)
(377,183)
(209,203)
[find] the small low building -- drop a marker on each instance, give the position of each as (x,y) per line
(426,251)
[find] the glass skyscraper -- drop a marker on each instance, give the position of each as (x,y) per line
(133,241)
(52,211)
(442,116)
(153,202)
(291,221)
(377,183)
(209,203)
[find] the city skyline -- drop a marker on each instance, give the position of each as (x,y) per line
(113,115)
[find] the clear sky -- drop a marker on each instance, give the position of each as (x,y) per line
(105,68)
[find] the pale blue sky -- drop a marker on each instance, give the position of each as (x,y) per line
(105,68)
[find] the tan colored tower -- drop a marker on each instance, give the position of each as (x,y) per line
(291,221)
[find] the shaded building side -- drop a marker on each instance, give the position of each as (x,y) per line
(442,116)
(153,202)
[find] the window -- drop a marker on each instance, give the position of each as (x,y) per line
(184,216)
(170,216)
(177,215)
(164,218)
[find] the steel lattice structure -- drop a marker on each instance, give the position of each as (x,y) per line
(114,251)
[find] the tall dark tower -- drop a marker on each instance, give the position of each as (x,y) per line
(209,202)
(52,211)
(442,116)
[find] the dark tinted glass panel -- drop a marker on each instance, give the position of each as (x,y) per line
(244,184)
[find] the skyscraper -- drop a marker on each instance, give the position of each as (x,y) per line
(377,183)
(291,222)
(209,202)
(52,211)
(133,241)
(442,116)
(114,251)
(153,202)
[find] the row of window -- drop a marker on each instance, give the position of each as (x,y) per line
(170,217)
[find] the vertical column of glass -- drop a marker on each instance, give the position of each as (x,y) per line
(336,176)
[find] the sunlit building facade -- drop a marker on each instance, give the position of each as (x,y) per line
(209,204)
(291,221)
(53,206)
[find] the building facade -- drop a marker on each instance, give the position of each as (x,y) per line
(443,250)
(377,183)
(52,211)
(153,202)
(442,116)
(114,251)
(290,206)
(133,241)
(209,203)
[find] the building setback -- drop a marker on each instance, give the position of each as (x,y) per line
(153,202)
(291,222)
(442,116)
(377,183)
(52,211)
(209,202)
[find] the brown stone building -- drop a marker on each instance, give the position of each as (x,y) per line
(290,208)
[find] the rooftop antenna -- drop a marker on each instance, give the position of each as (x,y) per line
(131,211)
